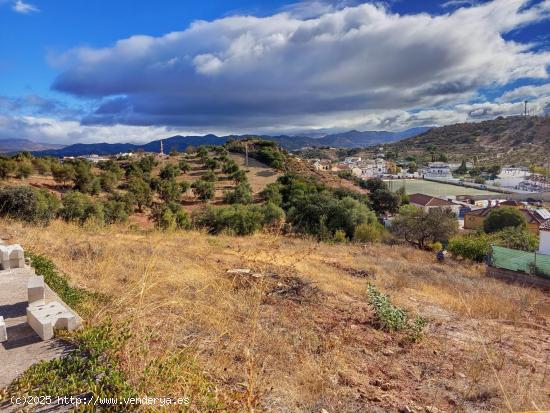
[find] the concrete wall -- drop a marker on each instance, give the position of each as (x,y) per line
(544,244)
(518,277)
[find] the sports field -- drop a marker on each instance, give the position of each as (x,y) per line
(413,186)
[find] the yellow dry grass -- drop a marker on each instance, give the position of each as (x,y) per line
(259,344)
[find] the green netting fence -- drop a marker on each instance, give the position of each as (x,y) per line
(523,261)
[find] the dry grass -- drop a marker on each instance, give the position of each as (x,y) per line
(300,337)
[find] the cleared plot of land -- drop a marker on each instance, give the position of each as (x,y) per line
(300,336)
(259,175)
(433,188)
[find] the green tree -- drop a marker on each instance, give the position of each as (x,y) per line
(421,228)
(7,167)
(169,190)
(211,164)
(24,170)
(462,169)
(184,166)
(503,217)
(79,208)
(242,194)
(238,176)
(169,172)
(63,173)
(384,200)
(140,191)
(204,190)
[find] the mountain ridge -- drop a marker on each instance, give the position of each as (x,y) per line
(180,143)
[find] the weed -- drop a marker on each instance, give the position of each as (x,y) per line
(392,318)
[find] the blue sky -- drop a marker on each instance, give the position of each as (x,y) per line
(84,71)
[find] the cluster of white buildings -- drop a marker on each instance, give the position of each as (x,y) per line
(362,168)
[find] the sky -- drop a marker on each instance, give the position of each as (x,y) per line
(75,71)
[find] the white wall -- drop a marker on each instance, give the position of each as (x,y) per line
(544,245)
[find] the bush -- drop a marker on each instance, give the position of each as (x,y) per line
(204,190)
(7,167)
(169,172)
(28,204)
(235,219)
(517,238)
(242,194)
(274,215)
(472,247)
(24,170)
(368,232)
(339,236)
(170,216)
(392,318)
(79,208)
(115,211)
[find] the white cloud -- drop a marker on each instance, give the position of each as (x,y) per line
(253,73)
(24,8)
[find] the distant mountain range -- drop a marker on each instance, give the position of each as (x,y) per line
(18,145)
(351,139)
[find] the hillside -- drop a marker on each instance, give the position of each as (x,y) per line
(18,145)
(510,140)
(298,335)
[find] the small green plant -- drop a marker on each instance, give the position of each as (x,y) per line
(391,318)
(74,297)
(91,369)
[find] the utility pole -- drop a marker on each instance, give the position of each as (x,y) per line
(246,153)
(525,109)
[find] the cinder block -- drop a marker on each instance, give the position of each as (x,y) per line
(44,318)
(3,331)
(36,290)
(12,256)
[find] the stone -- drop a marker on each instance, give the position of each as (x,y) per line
(36,290)
(3,331)
(44,318)
(11,256)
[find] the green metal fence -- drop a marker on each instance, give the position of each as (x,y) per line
(523,261)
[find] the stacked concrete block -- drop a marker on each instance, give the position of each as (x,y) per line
(45,318)
(3,331)
(36,290)
(11,256)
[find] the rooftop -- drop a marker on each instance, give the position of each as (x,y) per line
(428,200)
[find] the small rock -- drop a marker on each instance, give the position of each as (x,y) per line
(387,352)
(406,409)
(239,271)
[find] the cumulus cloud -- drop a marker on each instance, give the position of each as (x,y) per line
(289,70)
(24,8)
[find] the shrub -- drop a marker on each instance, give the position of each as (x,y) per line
(7,167)
(272,193)
(274,215)
(28,204)
(169,172)
(230,167)
(24,170)
(169,216)
(235,219)
(392,318)
(140,192)
(368,232)
(115,211)
(79,208)
(242,194)
(339,236)
(503,217)
(169,190)
(517,238)
(184,166)
(473,247)
(204,190)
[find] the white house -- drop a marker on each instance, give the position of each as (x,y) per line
(352,159)
(511,177)
(322,164)
(544,234)
(437,170)
(373,168)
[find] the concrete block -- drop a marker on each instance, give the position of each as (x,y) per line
(36,290)
(44,318)
(11,256)
(3,331)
